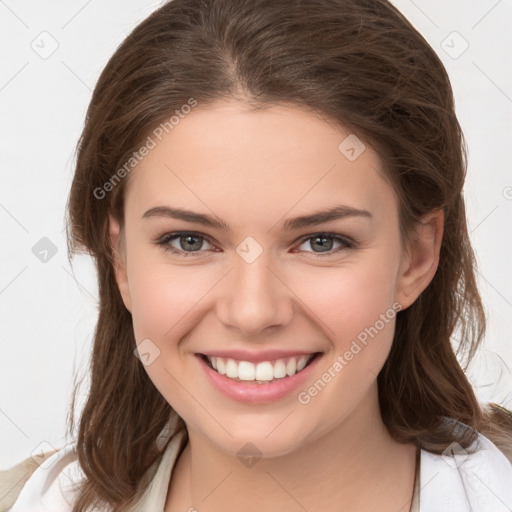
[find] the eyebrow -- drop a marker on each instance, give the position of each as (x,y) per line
(319,217)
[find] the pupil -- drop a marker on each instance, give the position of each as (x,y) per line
(191,237)
(323,240)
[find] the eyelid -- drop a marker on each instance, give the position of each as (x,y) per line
(345,241)
(166,238)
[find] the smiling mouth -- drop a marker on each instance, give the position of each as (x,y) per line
(263,372)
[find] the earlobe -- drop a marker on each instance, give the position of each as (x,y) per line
(119,253)
(420,261)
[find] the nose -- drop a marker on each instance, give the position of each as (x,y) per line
(255,297)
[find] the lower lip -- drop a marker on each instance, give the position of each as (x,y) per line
(251,392)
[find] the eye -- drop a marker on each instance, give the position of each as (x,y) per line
(325,241)
(188,243)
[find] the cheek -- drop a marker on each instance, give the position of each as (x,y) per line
(164,295)
(166,301)
(344,300)
(350,298)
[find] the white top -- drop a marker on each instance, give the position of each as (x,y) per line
(453,482)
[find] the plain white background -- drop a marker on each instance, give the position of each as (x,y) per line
(52,53)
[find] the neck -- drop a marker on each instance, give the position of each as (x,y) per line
(356,466)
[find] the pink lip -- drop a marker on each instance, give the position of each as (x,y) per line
(251,392)
(257,357)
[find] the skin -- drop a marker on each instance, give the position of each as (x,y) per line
(254,169)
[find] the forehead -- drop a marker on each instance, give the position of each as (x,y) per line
(249,164)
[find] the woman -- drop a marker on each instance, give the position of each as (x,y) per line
(272,192)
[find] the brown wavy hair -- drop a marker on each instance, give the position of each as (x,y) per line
(358,63)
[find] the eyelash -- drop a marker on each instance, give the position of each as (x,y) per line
(165,240)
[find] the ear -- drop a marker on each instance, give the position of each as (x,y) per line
(119,251)
(421,258)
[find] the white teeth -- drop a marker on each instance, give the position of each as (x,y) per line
(291,367)
(302,362)
(231,369)
(279,369)
(221,365)
(261,372)
(246,371)
(264,371)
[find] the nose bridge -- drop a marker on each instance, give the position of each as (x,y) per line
(254,298)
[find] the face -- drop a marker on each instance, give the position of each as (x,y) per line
(261,281)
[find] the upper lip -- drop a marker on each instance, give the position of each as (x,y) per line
(257,357)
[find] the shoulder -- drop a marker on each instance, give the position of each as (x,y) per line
(459,480)
(13,479)
(51,482)
(42,483)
